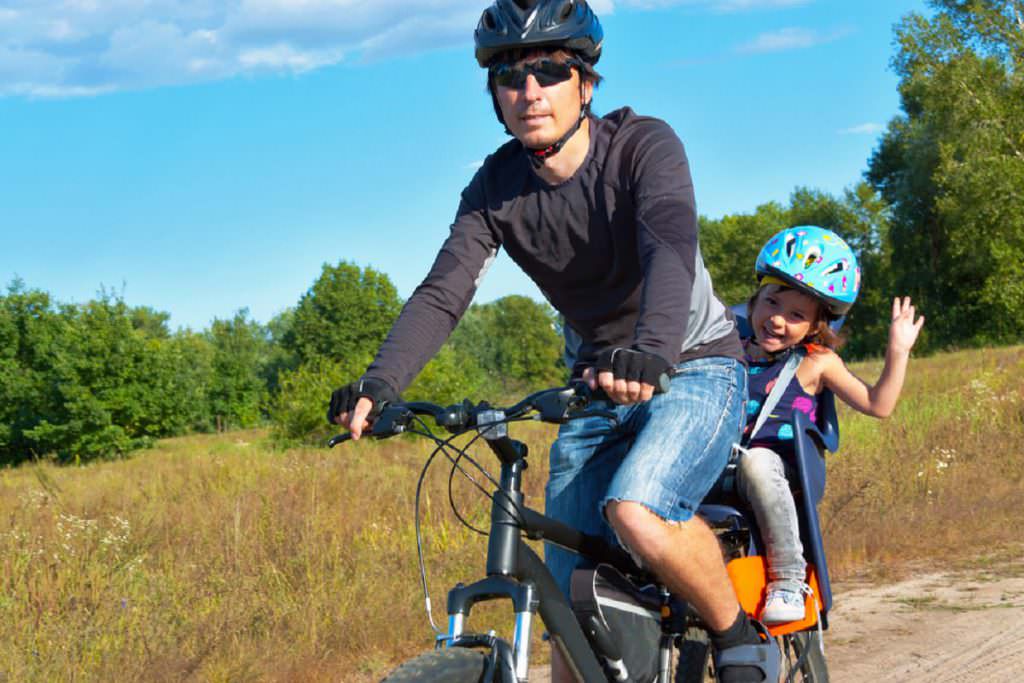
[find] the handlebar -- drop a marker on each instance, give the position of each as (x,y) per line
(338,438)
(555,406)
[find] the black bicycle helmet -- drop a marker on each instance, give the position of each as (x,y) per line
(516,24)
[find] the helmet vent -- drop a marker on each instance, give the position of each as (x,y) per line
(488,20)
(812,256)
(790,245)
(566,10)
(835,268)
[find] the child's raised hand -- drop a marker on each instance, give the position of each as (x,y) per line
(904,329)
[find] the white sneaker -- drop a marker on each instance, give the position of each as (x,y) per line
(783,605)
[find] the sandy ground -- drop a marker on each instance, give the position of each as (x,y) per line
(939,627)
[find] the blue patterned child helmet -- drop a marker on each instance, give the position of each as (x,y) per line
(814,260)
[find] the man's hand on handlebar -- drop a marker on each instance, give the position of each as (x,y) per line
(355,406)
(557,405)
(628,376)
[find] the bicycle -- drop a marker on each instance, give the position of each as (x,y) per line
(591,639)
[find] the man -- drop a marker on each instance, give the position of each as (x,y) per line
(600,213)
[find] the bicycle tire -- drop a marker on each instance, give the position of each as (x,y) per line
(694,663)
(454,665)
(802,658)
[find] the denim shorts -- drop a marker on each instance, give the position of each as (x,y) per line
(664,454)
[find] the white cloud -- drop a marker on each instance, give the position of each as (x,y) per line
(284,57)
(724,6)
(790,39)
(53,48)
(743,5)
(863,129)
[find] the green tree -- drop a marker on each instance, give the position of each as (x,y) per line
(115,387)
(952,165)
(238,387)
(730,246)
(298,411)
(450,377)
(331,336)
(347,312)
(515,339)
(30,330)
(151,322)
(186,372)
(280,358)
(86,381)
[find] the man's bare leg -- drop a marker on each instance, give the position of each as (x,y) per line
(685,556)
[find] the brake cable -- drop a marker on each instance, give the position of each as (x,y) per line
(441,446)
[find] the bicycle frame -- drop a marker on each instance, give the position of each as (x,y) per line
(514,571)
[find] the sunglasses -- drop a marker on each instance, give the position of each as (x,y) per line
(547,72)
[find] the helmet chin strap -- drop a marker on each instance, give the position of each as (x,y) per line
(538,155)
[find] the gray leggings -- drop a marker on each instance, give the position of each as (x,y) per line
(762,483)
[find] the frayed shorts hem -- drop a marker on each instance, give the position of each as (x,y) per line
(680,514)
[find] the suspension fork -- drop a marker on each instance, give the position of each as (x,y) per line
(525,602)
(536,591)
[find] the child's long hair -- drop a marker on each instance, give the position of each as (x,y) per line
(821,333)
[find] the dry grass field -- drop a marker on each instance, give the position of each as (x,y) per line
(218,558)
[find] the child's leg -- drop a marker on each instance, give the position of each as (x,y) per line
(762,483)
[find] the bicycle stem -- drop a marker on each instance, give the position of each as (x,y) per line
(505,510)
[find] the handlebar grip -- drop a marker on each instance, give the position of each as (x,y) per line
(664,384)
(338,438)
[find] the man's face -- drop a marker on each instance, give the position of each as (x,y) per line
(539,115)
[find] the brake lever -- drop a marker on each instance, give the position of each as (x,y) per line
(392,420)
(338,438)
(556,407)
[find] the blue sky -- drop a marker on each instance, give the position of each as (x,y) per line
(202,157)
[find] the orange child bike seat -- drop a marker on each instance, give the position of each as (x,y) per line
(749,576)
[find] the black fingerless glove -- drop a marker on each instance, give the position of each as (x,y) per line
(344,400)
(629,364)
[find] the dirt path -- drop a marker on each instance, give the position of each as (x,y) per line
(940,627)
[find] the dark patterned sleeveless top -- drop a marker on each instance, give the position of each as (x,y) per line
(777,431)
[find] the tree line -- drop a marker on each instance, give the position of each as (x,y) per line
(99,379)
(938,216)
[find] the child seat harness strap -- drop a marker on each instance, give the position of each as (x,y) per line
(775,395)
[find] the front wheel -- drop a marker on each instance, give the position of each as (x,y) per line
(453,665)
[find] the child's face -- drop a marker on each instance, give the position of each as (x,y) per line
(782,318)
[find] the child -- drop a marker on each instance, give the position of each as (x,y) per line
(807,276)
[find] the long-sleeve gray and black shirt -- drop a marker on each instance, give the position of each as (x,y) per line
(613,248)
